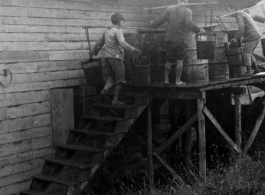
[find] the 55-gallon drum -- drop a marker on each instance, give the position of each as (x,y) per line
(218,66)
(194,70)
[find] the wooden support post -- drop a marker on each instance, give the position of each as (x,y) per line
(202,139)
(221,130)
(249,94)
(255,130)
(150,145)
(238,126)
(187,136)
(172,120)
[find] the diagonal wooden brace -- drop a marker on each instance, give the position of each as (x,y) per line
(179,132)
(221,130)
(255,130)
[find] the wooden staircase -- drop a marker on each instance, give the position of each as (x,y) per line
(90,145)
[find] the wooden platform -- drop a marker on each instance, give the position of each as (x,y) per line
(198,92)
(259,78)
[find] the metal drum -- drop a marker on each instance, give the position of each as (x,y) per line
(195,71)
(218,66)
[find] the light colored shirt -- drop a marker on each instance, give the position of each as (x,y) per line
(180,22)
(114,42)
(247,28)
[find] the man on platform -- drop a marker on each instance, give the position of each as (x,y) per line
(249,33)
(115,44)
(179,20)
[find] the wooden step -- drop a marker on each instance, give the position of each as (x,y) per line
(72,163)
(104,118)
(125,106)
(81,148)
(125,94)
(54,179)
(33,192)
(94,133)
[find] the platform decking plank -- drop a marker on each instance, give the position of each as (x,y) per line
(205,86)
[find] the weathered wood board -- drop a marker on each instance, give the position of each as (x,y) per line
(42,43)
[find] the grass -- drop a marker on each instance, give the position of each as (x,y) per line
(244,175)
(237,175)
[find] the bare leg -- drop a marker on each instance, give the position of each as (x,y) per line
(254,64)
(109,84)
(117,91)
(179,69)
(248,69)
(167,69)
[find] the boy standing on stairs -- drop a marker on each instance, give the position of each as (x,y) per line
(115,45)
(179,20)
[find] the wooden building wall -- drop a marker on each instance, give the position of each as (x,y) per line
(42,44)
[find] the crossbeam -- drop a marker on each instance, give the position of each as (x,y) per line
(179,132)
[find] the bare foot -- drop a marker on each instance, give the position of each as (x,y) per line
(180,83)
(117,103)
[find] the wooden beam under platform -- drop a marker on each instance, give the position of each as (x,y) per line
(255,130)
(192,90)
(198,91)
(221,130)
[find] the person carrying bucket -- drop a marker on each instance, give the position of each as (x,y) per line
(115,44)
(180,22)
(249,33)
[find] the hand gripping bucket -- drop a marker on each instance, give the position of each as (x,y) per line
(206,46)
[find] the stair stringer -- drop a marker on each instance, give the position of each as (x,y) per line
(121,128)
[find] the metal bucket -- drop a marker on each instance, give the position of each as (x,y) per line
(93,73)
(206,46)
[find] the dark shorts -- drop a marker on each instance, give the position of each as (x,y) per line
(116,69)
(176,51)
